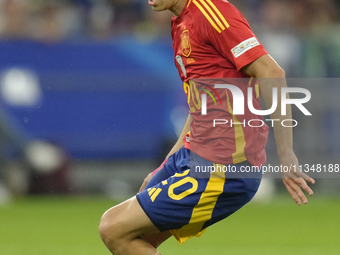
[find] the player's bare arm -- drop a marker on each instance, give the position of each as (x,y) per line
(180,142)
(176,147)
(263,68)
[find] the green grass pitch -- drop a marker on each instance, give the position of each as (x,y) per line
(68,226)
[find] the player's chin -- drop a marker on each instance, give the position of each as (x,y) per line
(157,8)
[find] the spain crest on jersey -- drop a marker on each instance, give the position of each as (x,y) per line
(186,47)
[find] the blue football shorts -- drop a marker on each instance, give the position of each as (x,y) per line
(186,203)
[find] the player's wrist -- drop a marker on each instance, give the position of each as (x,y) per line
(285,152)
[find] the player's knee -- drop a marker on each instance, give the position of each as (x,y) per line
(109,228)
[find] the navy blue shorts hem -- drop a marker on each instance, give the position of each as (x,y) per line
(147,214)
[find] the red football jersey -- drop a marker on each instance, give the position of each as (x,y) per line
(212,39)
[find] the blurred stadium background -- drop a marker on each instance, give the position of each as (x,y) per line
(90,102)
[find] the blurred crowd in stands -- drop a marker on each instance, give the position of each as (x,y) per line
(298,28)
(51,20)
(55,20)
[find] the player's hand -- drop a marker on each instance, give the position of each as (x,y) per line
(148,178)
(145,182)
(295,179)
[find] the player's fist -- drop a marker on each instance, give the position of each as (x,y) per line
(145,182)
(148,178)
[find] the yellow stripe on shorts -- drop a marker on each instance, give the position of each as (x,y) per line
(203,210)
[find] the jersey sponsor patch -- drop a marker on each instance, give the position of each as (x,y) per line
(244,46)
